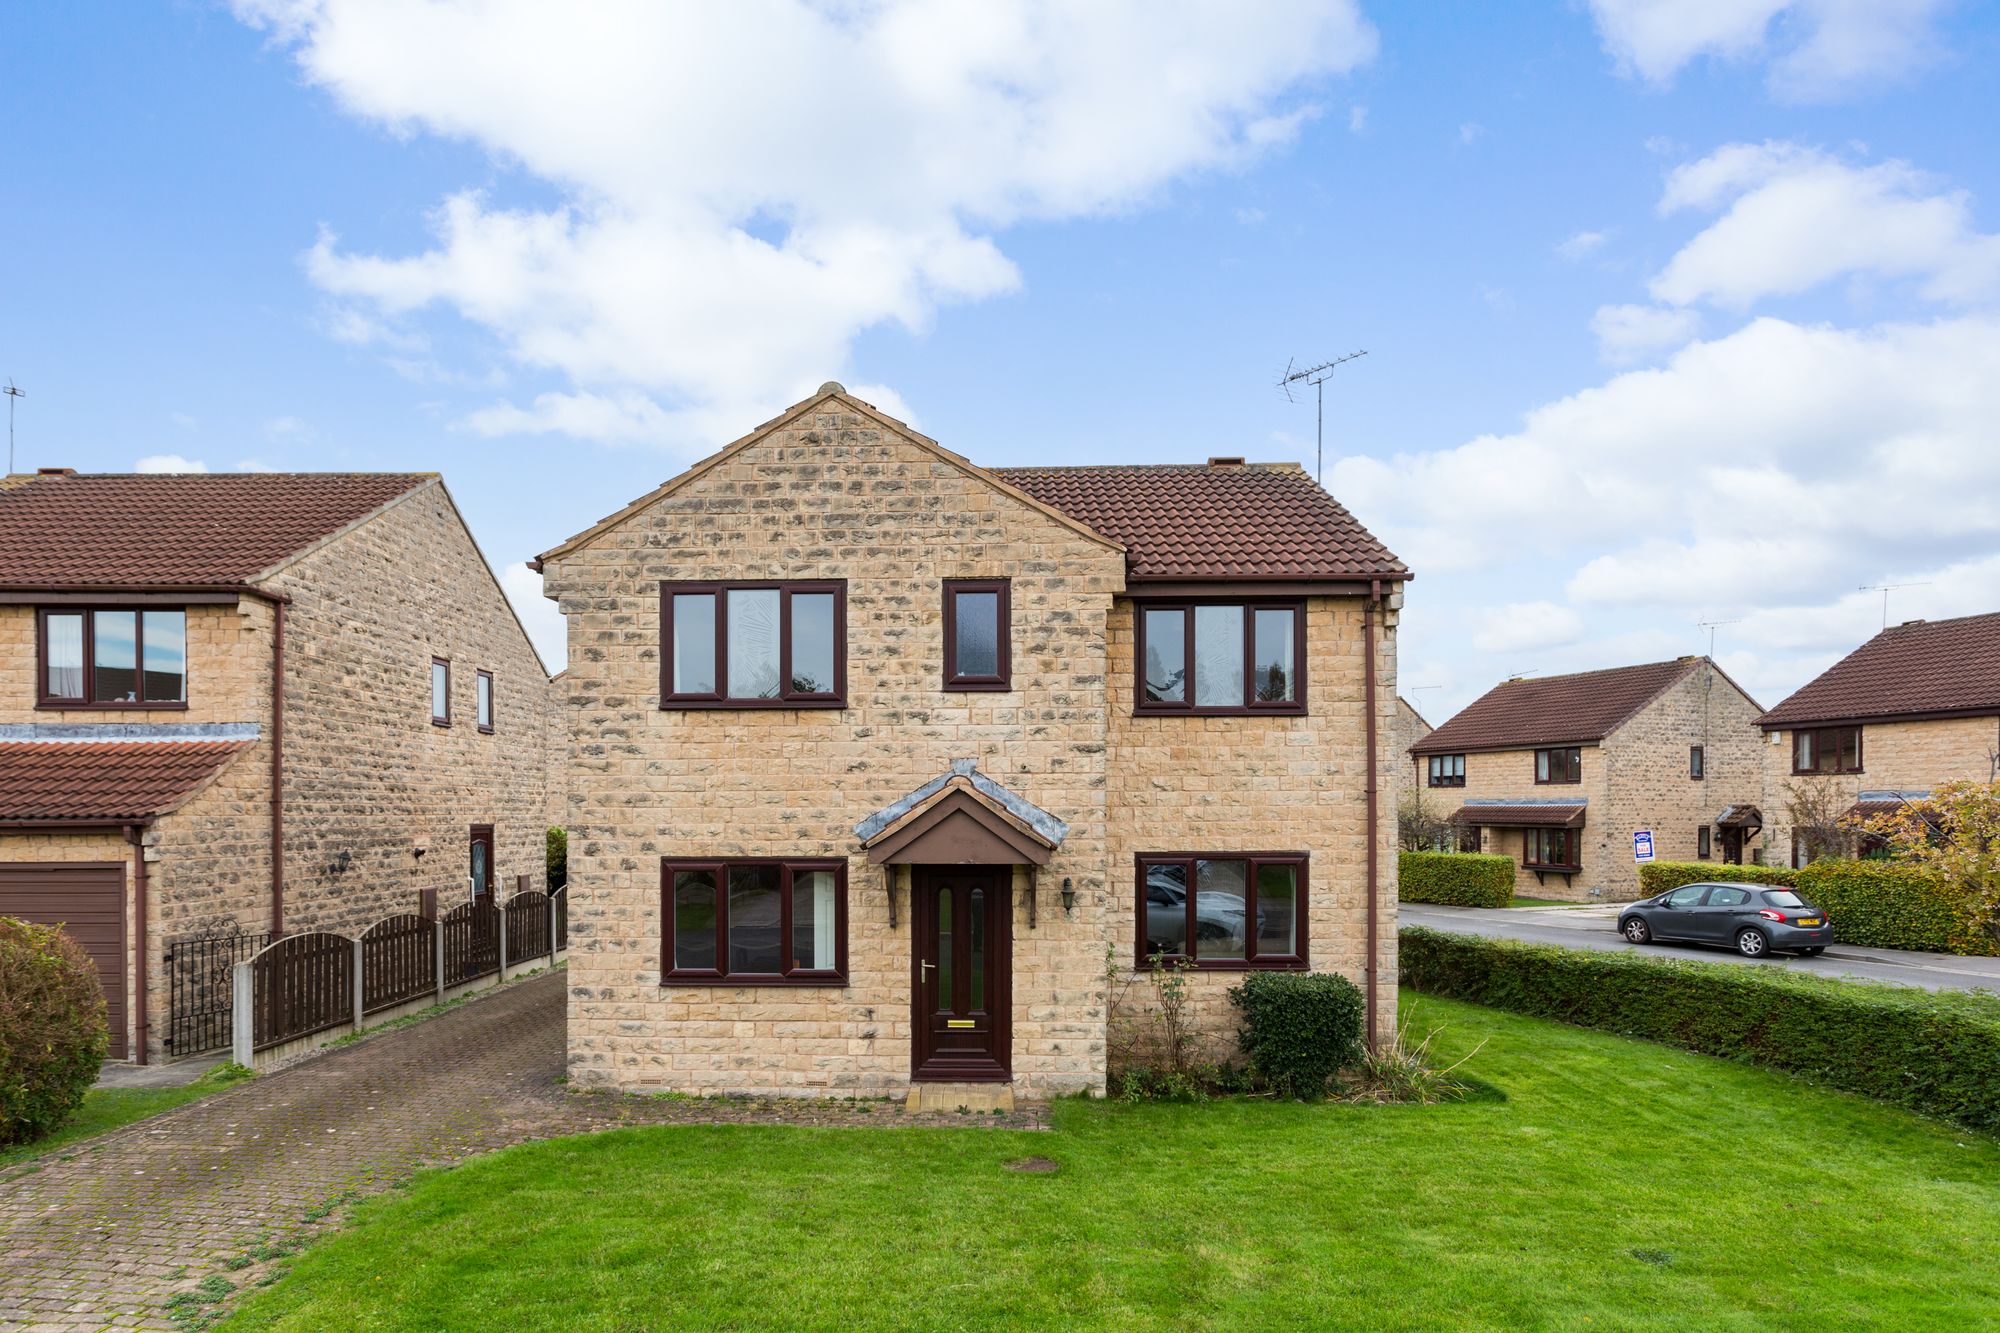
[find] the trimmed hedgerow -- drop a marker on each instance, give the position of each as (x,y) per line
(52,1028)
(1455,879)
(1886,905)
(1933,1052)
(1665,876)
(1299,1029)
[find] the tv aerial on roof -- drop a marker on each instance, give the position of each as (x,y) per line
(1317,376)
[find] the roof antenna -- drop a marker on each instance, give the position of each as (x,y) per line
(1885,589)
(1710,626)
(12,393)
(1317,376)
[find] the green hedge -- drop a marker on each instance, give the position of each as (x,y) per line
(1934,1052)
(1456,879)
(1884,905)
(1299,1029)
(1663,876)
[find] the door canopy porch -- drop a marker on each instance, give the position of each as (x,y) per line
(1521,814)
(961,818)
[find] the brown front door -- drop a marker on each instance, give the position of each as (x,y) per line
(88,902)
(961,922)
(480,872)
(1732,846)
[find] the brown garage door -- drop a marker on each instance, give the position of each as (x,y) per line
(88,901)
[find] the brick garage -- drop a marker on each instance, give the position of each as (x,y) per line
(834,493)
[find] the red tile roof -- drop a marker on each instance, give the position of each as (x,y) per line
(110,530)
(1519,814)
(1923,667)
(1554,710)
(105,781)
(1219,521)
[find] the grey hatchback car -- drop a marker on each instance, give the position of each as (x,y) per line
(1751,919)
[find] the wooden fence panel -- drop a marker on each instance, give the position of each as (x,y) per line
(303,984)
(471,942)
(398,961)
(527,926)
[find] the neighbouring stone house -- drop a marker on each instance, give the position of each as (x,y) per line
(1915,706)
(196,670)
(879,755)
(1409,728)
(1559,772)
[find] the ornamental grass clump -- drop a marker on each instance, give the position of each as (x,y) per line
(53,1032)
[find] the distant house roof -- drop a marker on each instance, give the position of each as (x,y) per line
(1554,710)
(1925,668)
(88,782)
(64,530)
(1214,521)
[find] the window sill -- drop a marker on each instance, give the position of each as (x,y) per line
(486,731)
(740,705)
(1275,710)
(440,721)
(711,979)
(1545,869)
(1828,773)
(978,686)
(78,706)
(1232,965)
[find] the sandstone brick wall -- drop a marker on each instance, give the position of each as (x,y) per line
(1510,775)
(1409,728)
(1895,756)
(368,779)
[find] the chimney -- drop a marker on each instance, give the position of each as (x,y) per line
(1226,461)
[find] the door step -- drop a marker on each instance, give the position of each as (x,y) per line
(975,1098)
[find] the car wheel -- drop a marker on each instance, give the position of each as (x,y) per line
(1751,943)
(1637,931)
(1813,952)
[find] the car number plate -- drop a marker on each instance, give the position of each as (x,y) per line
(1809,921)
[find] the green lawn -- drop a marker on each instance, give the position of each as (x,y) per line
(1520,901)
(106,1109)
(1618,1185)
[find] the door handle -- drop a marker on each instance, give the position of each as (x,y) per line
(928,968)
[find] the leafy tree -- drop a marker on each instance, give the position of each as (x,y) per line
(1420,828)
(1818,811)
(1955,832)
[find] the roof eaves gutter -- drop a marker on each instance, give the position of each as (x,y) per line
(1932,715)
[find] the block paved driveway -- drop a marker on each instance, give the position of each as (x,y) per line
(109,1236)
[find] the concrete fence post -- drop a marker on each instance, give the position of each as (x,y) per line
(503,940)
(243,1023)
(552,930)
(437,944)
(359,979)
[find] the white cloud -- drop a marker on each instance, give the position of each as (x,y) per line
(1582,245)
(539,616)
(1521,626)
(1631,333)
(1357,119)
(1795,217)
(1818,49)
(169,463)
(288,429)
(1250,217)
(1471,133)
(745,188)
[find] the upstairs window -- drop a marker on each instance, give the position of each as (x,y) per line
(753,645)
(1221,657)
(114,658)
(1697,762)
(1559,765)
(440,692)
(1447,770)
(483,700)
(1827,750)
(977,654)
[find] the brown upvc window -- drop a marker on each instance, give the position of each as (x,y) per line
(1447,770)
(978,654)
(482,700)
(748,922)
(440,691)
(1228,911)
(1697,762)
(1704,846)
(112,657)
(1220,657)
(1549,849)
(1559,766)
(753,645)
(1827,750)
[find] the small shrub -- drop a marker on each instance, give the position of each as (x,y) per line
(1401,1072)
(1934,1052)
(1455,879)
(558,856)
(1889,905)
(1300,1029)
(1665,876)
(52,1029)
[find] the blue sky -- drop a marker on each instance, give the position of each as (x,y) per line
(1675,309)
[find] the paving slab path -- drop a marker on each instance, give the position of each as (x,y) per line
(106,1233)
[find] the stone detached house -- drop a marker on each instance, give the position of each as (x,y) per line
(1559,772)
(1915,706)
(255,703)
(1410,728)
(877,756)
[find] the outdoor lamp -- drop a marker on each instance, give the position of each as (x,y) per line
(1069,897)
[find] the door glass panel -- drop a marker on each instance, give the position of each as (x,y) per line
(694,918)
(1273,660)
(1166,909)
(812,919)
(978,627)
(1220,910)
(1218,655)
(694,643)
(753,643)
(166,656)
(478,868)
(812,643)
(756,941)
(1166,656)
(65,648)
(1277,910)
(943,950)
(117,662)
(975,960)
